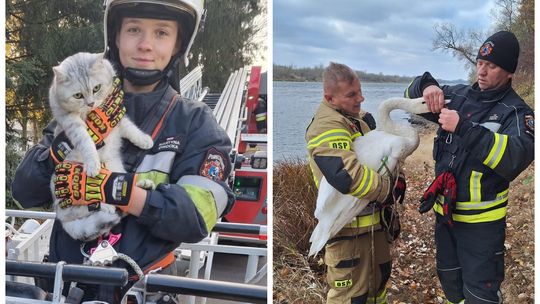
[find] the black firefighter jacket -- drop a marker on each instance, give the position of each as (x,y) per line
(492,144)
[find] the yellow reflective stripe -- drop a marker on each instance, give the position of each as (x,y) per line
(475,205)
(365,220)
(497,151)
(475,186)
(365,183)
(260,117)
(488,216)
(155,176)
(355,135)
(407,90)
(380,299)
(313,173)
(204,201)
(500,198)
(334,134)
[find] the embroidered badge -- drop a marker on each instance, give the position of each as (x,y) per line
(494,116)
(214,165)
(172,143)
(487,48)
(529,124)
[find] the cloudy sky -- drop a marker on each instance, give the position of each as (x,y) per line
(392,37)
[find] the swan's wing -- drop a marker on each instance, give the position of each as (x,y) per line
(325,197)
(334,210)
(348,214)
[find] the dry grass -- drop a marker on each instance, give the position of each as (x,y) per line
(414,280)
(295,280)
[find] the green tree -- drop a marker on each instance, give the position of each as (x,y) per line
(39,34)
(231,37)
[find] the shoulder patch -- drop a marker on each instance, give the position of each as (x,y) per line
(529,124)
(215,165)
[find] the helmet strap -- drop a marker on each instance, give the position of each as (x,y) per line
(141,77)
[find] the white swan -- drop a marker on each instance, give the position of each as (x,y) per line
(390,139)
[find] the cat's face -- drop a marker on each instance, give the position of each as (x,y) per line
(82,82)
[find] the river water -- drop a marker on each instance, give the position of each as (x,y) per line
(296,102)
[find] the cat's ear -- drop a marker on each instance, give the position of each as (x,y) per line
(101,64)
(97,65)
(59,75)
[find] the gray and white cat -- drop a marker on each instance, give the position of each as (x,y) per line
(81,83)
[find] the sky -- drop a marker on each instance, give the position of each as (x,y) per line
(375,36)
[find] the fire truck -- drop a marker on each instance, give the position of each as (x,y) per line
(249,157)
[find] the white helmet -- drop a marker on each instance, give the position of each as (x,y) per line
(188,13)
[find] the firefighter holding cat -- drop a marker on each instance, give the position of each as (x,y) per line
(146,41)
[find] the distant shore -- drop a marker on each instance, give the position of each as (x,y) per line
(314,74)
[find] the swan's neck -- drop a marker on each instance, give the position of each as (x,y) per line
(386,124)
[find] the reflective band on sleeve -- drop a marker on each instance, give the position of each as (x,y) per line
(313,173)
(407,90)
(475,186)
(497,151)
(365,183)
(260,117)
(208,196)
(219,196)
(204,202)
(365,220)
(355,135)
(156,177)
(331,135)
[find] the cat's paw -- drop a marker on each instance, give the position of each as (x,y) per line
(146,184)
(92,168)
(144,142)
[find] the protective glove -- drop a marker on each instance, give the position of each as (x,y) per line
(100,122)
(450,198)
(75,188)
(444,184)
(397,193)
(104,118)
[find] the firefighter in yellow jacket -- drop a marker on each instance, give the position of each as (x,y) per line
(354,274)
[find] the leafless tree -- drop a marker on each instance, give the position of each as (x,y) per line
(461,45)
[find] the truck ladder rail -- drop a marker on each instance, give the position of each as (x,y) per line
(191,84)
(227,110)
(219,227)
(75,273)
(205,288)
(240,228)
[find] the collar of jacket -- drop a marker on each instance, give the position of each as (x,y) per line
(329,105)
(489,96)
(139,105)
